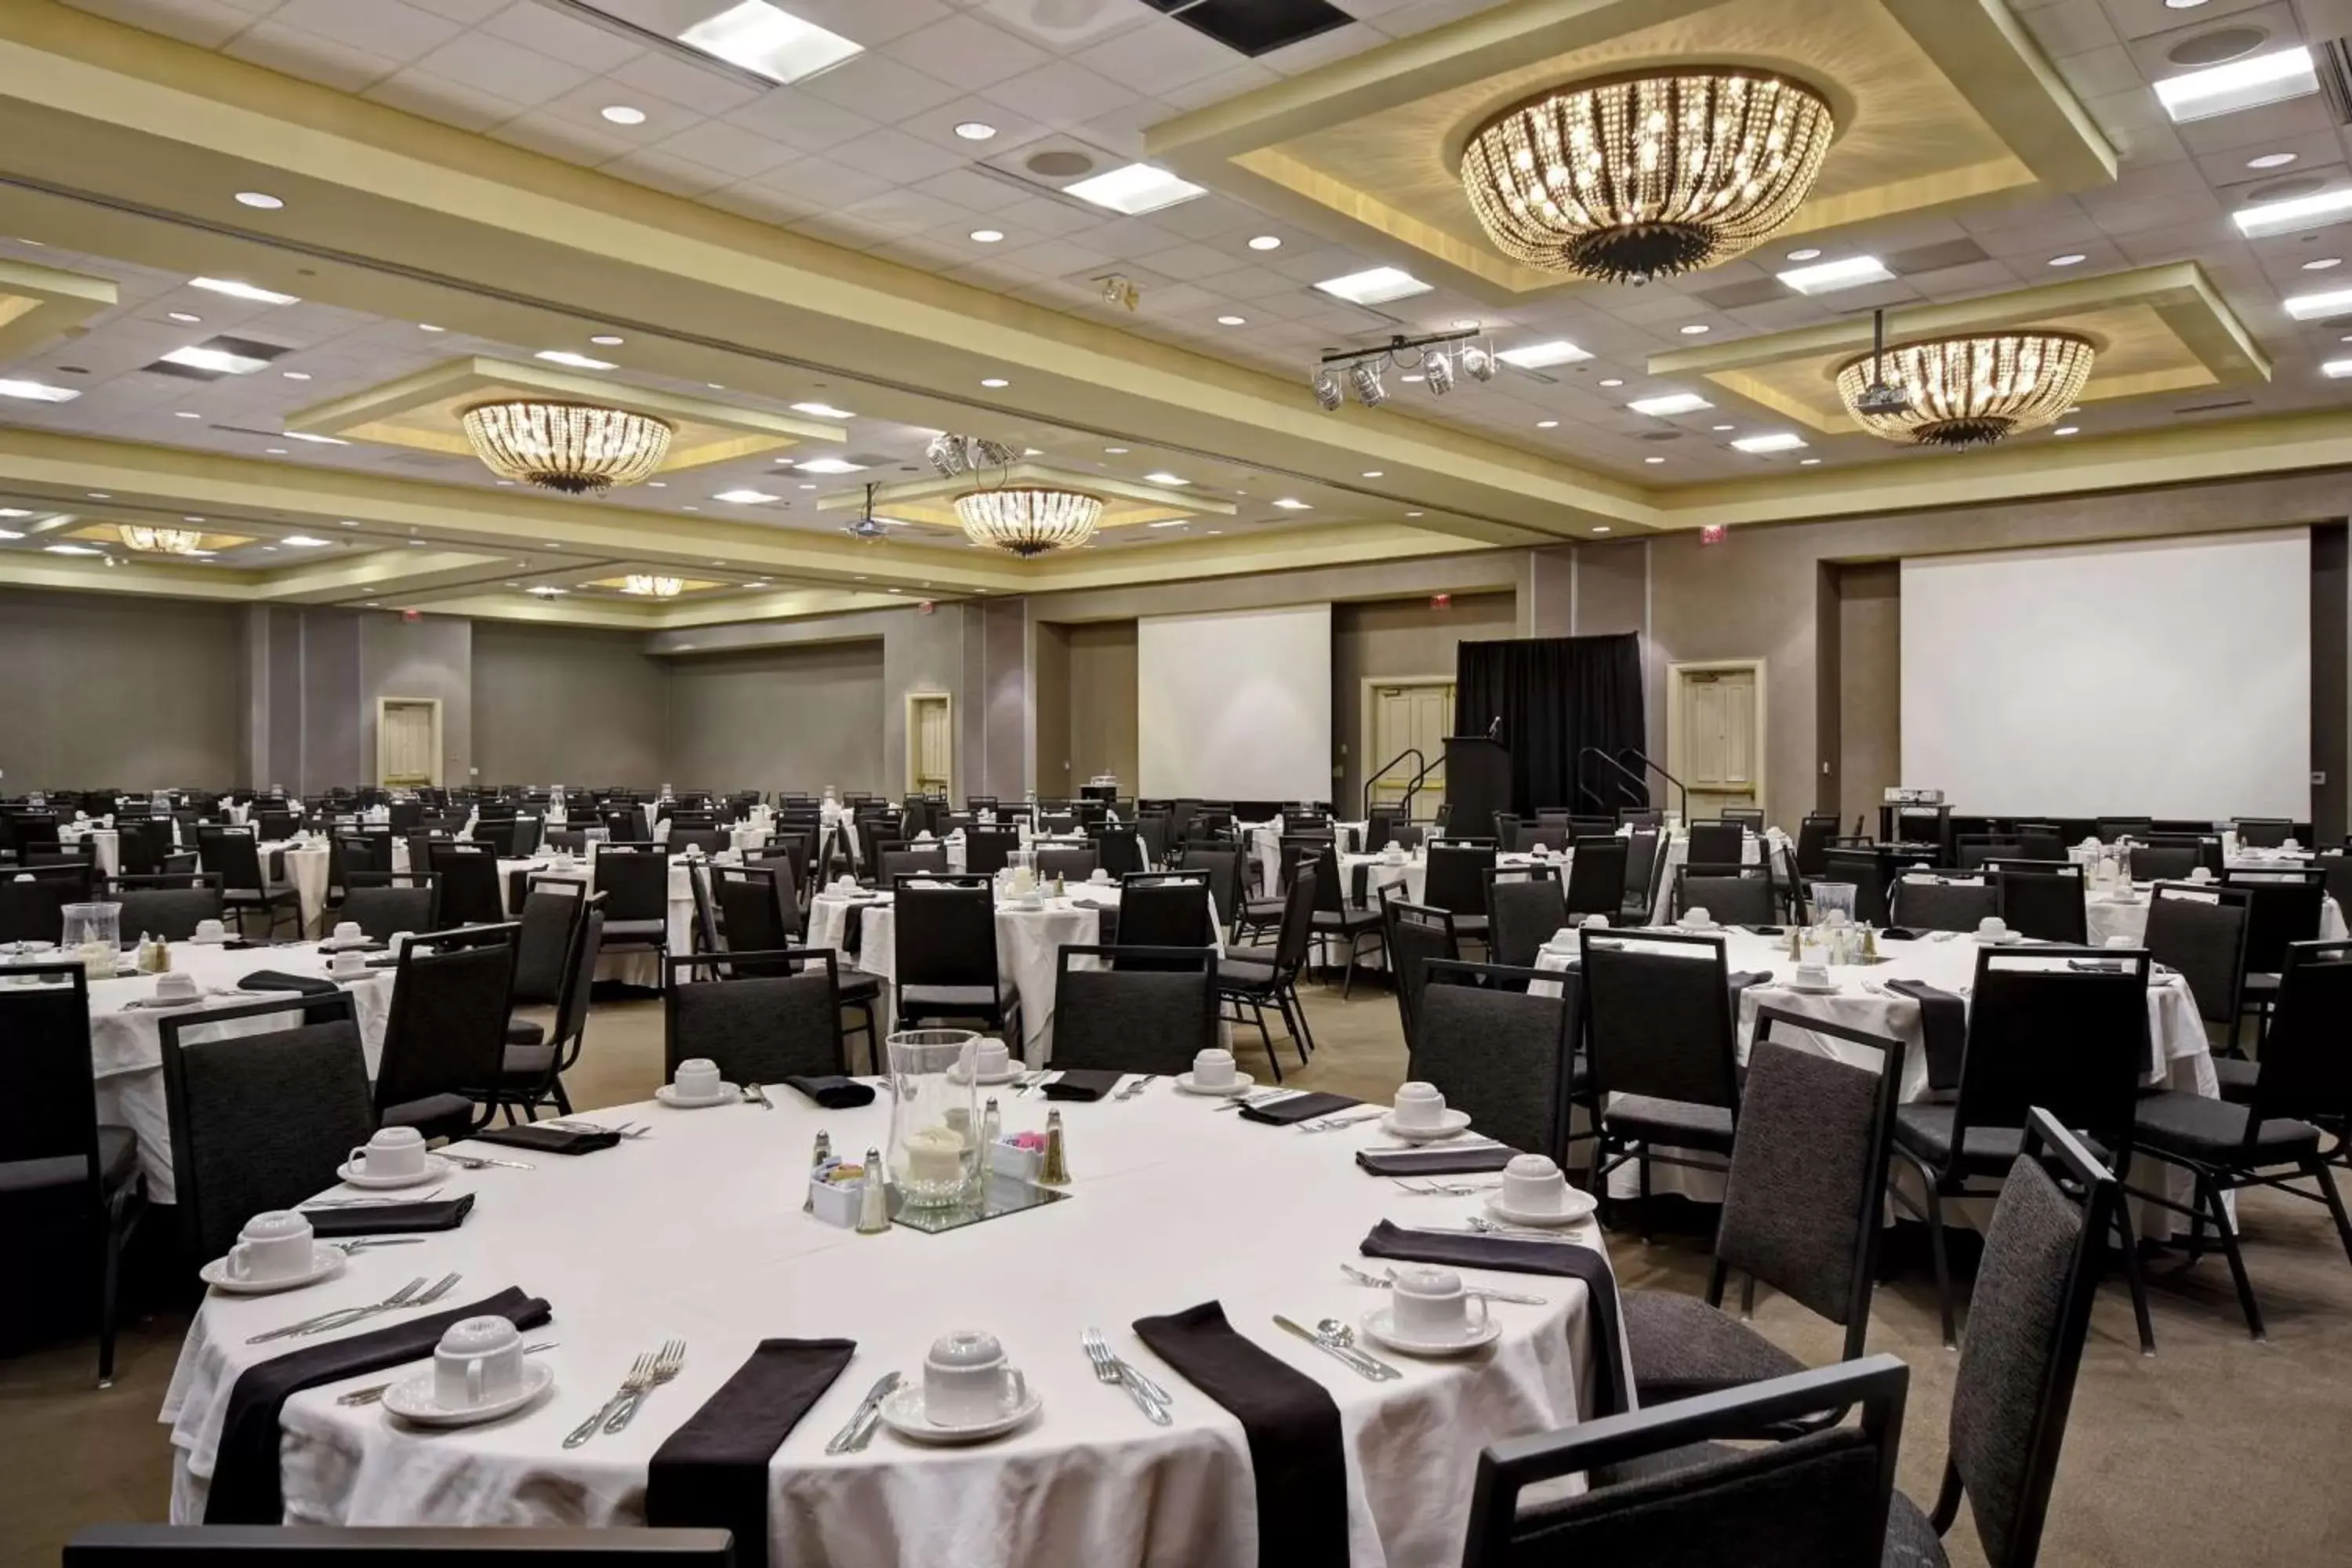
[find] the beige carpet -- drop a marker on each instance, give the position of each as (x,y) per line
(2218,1451)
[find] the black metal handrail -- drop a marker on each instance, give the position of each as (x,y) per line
(1636,791)
(1640,756)
(1412,752)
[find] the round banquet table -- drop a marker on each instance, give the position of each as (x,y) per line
(699,1234)
(2108,919)
(1411,873)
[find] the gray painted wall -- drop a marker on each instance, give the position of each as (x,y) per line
(431,657)
(777,718)
(568,705)
(102,690)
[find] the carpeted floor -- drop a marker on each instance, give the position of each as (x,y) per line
(2218,1451)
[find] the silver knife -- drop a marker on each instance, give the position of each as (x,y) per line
(1354,1360)
(848,1440)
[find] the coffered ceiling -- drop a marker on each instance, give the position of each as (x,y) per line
(530,176)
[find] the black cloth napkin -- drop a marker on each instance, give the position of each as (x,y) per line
(853,927)
(832,1090)
(1897,933)
(547,1139)
(1437,1162)
(1568,1259)
(1298,1108)
(244,1487)
(276,980)
(1082,1083)
(1944,1021)
(1291,1425)
(712,1472)
(389,1219)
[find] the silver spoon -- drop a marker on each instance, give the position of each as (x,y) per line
(1340,1334)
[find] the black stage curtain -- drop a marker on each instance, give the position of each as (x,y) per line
(1554,697)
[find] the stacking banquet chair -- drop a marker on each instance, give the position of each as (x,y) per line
(1069,863)
(894,859)
(761,918)
(2044,905)
(1731,898)
(988,851)
(1924,900)
(1522,913)
(2201,932)
(551,910)
(634,880)
(1457,881)
(1500,1051)
(1152,1010)
(2263,832)
(234,854)
(1971,850)
(1227,868)
(384,902)
(379,1546)
(1596,879)
(2305,1078)
(1658,1012)
(1415,934)
(1251,980)
(2044,1033)
(780,1019)
(2285,906)
(259,1120)
(1666,1493)
(1118,849)
(62,1171)
(444,1039)
(532,1070)
(1162,909)
(1339,918)
(469,884)
(169,906)
(2111,829)
(1800,1209)
(1716,849)
(1645,872)
(944,961)
(2162,862)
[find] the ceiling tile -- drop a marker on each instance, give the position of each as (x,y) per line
(207,24)
(508,71)
(872,23)
(678,176)
(896,156)
(419,92)
(392,29)
(576,43)
(798,121)
(969,52)
(880,87)
(682,82)
(1059,93)
(309,56)
(730,149)
(557,138)
(1065,25)
(821,180)
(1157,56)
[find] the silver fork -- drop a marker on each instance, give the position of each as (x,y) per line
(1148,1396)
(482,1162)
(666,1364)
(1137,1087)
(570,1125)
(1255,1097)
(376,1391)
(364,1243)
(1445,1189)
(395,1300)
(639,1370)
(440,1289)
(1334,1122)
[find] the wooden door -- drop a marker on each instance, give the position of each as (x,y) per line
(1721,750)
(408,745)
(1410,714)
(930,751)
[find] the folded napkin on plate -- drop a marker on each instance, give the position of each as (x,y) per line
(276,980)
(1298,1108)
(1437,1162)
(389,1219)
(833,1092)
(1568,1259)
(1082,1083)
(245,1486)
(549,1139)
(712,1471)
(1943,1022)
(1290,1423)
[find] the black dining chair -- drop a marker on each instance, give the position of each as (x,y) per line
(782,1022)
(33,900)
(2284,907)
(532,1069)
(634,880)
(470,894)
(1500,1050)
(445,1036)
(1716,849)
(2263,832)
(1731,898)
(383,904)
(2201,930)
(1455,881)
(169,907)
(234,854)
(1522,914)
(1339,918)
(1134,1009)
(1597,876)
(1252,979)
(1866,872)
(1926,900)
(944,957)
(760,918)
(1416,934)
(1659,1017)
(2047,906)
(1646,855)
(1163,909)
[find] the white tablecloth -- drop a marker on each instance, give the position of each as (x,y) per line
(2108,919)
(699,1234)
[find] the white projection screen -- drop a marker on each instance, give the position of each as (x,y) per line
(2157,678)
(1234,706)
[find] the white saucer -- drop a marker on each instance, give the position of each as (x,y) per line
(727,1094)
(1807,988)
(1576,1209)
(1449,1123)
(2003,940)
(1241,1084)
(326,1262)
(903,1413)
(435,1169)
(991,1080)
(1381,1323)
(411,1399)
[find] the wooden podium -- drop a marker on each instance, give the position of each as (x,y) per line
(1477,783)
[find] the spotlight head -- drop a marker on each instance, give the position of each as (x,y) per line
(1437,373)
(1365,377)
(1479,362)
(1326,389)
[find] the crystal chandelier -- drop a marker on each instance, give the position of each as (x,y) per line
(1029,520)
(1647,173)
(1969,390)
(578,448)
(162,540)
(648,586)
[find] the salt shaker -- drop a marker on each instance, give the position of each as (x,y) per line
(874,1204)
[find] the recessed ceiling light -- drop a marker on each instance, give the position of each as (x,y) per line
(2066,430)
(1415,377)
(314,440)
(280,451)
(769,40)
(823,411)
(185,414)
(2072,258)
(1672,404)
(1375,473)
(1547,423)
(304,541)
(994,381)
(1170,522)
(2182,5)
(1653,459)
(975,130)
(830,466)
(1805,253)
(986,235)
(1116,451)
(220,362)
(235,289)
(689,508)
(1466,324)
(2319,307)
(1695,328)
(804,487)
(1808,462)
(192,520)
(295,374)
(1543,356)
(577,361)
(1164,477)
(624,114)
(1266,242)
(1601,528)
(1133,189)
(2322,263)
(36,392)
(429,327)
(261,199)
(656,484)
(2241,84)
(100,495)
(2336,369)
(187,316)
(1722,427)
(1374,286)
(1777,441)
(71,550)
(1233,321)
(10,533)
(1612,380)
(1287,504)
(1414,514)
(745,497)
(2270,161)
(346,523)
(1848,272)
(607,339)
(2294,213)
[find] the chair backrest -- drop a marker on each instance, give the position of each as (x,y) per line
(366,851)
(383,902)
(2285,909)
(2164,862)
(1118,849)
(1067,862)
(1658,1022)
(1496,1050)
(1160,912)
(752,905)
(1456,877)
(2027,1320)
(2201,932)
(2045,905)
(1867,873)
(1522,913)
(2336,873)
(1933,901)
(2263,832)
(784,1022)
(48,1095)
(1816,1500)
(1153,1010)
(1716,846)
(446,1030)
(1813,836)
(1416,934)
(2306,1064)
(33,900)
(380,1546)
(543,939)
(1732,899)
(945,935)
(889,864)
(231,852)
(2111,829)
(169,906)
(2043,1033)
(579,981)
(1298,928)
(634,880)
(990,849)
(1226,867)
(1972,850)
(1801,1205)
(469,884)
(1597,876)
(259,1122)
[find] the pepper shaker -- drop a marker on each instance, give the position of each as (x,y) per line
(817,1157)
(1057,1172)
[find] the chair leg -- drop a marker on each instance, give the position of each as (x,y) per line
(1715,1277)
(2210,1193)
(1747,1297)
(2132,1275)
(2319,1174)
(1348,981)
(1644,1168)
(109,1288)
(1299,1011)
(1265,1037)
(1943,1264)
(562,1100)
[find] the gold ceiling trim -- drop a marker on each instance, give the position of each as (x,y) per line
(40,304)
(1126,503)
(1938,103)
(109,531)
(424,410)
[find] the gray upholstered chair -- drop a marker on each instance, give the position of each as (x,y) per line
(1800,1209)
(1732,901)
(168,906)
(445,1036)
(1596,879)
(1502,1054)
(1522,913)
(1069,863)
(543,951)
(1152,1010)
(533,1070)
(909,861)
(1658,1019)
(2201,932)
(1920,901)
(383,902)
(1416,933)
(760,1029)
(1250,981)
(2044,905)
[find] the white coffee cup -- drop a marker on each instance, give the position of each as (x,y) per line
(478,1361)
(1595,922)
(1100,879)
(1419,1105)
(1698,918)
(2201,873)
(394,1151)
(991,1058)
(1992,927)
(274,1245)
(1212,1068)
(175,986)
(399,942)
(967,1381)
(2119,939)
(1431,1304)
(1812,974)
(697,1078)
(348,930)
(347,964)
(1532,1184)
(211,930)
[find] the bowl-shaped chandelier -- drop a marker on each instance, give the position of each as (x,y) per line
(1646,173)
(648,586)
(1029,520)
(577,449)
(162,541)
(1969,390)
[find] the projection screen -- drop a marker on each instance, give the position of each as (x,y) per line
(1236,705)
(2160,679)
